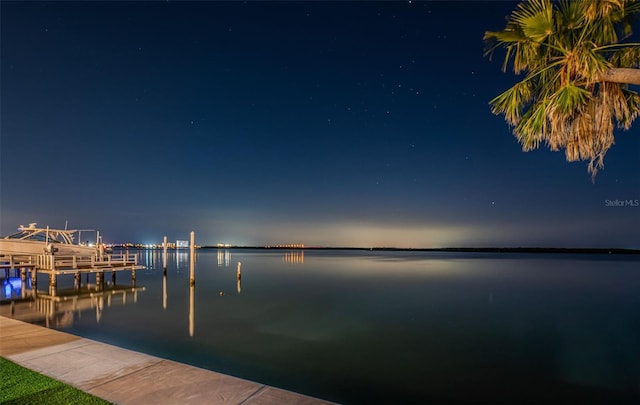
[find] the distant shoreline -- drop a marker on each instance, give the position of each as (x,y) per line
(456,250)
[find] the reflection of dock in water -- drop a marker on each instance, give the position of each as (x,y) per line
(62,307)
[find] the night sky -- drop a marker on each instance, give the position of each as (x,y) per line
(323,123)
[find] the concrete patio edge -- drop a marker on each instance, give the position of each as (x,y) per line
(126,377)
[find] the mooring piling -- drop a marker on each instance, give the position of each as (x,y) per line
(164,255)
(192,259)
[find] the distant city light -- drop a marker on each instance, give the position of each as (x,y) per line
(181,244)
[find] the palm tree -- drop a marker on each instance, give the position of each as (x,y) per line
(577,75)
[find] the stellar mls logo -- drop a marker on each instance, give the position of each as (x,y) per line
(621,203)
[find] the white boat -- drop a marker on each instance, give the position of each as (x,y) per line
(31,240)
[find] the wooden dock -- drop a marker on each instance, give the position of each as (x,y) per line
(12,262)
(59,265)
(55,266)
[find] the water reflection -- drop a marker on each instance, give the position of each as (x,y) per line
(182,259)
(164,290)
(192,302)
(192,285)
(61,307)
(15,287)
(224,258)
(151,257)
(294,257)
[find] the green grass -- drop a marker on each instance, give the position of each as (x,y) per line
(19,385)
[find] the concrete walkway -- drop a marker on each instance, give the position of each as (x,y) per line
(126,377)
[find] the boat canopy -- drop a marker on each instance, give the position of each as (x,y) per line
(44,235)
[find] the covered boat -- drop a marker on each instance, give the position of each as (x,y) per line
(36,241)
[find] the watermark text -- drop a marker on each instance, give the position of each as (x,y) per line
(622,203)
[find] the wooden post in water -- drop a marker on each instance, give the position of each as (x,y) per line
(76,281)
(53,284)
(34,277)
(192,301)
(99,280)
(192,259)
(164,255)
(164,290)
(100,246)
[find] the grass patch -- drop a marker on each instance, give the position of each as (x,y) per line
(20,385)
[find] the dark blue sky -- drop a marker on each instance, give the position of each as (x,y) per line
(324,123)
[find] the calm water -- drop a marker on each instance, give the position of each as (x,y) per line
(380,327)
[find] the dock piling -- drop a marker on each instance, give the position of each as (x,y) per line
(164,255)
(192,259)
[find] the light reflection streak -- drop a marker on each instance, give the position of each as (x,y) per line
(192,301)
(182,257)
(294,257)
(224,258)
(164,291)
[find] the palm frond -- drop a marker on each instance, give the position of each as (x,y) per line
(628,56)
(511,102)
(568,100)
(535,18)
(531,129)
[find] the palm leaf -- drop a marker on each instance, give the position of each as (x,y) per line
(511,102)
(568,100)
(532,127)
(535,17)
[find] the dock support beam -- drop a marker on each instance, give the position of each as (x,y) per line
(53,284)
(99,281)
(76,281)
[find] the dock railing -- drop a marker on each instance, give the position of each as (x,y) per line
(53,262)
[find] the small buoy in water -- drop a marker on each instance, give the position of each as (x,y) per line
(221,293)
